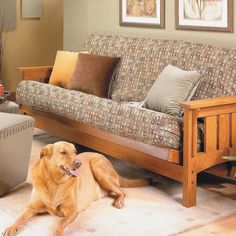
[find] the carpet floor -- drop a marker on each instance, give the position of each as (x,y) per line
(150,211)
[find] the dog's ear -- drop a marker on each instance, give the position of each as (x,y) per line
(46,151)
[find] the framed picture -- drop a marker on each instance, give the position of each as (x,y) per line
(142,13)
(32,8)
(209,15)
(7,15)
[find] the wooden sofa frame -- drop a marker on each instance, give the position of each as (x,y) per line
(219,115)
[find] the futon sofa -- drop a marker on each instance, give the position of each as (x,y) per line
(165,144)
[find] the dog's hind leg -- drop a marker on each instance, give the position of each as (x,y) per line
(108,179)
(119,196)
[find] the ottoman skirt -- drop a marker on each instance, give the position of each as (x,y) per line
(16,133)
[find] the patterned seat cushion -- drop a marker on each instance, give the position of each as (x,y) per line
(140,124)
(143,59)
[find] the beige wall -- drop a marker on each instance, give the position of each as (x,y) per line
(34,42)
(85,16)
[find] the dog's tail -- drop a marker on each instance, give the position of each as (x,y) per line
(131,183)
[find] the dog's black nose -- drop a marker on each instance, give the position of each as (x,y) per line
(76,165)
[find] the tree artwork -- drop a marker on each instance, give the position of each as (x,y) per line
(203,9)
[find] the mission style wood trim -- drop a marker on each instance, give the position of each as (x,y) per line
(40,74)
(143,155)
(219,116)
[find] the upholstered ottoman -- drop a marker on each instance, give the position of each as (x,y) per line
(16,132)
(9,107)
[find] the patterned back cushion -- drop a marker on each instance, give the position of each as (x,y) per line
(143,59)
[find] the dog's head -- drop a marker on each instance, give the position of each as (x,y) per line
(62,156)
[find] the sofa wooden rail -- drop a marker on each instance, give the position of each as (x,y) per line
(219,116)
(211,102)
(40,73)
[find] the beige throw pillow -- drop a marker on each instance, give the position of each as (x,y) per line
(63,68)
(172,86)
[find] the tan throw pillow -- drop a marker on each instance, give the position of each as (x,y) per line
(93,74)
(172,86)
(63,68)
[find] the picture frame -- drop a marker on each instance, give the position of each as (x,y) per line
(32,9)
(205,15)
(8,15)
(144,13)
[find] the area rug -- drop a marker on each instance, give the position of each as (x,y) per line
(149,211)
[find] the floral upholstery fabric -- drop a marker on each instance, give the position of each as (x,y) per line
(140,124)
(143,59)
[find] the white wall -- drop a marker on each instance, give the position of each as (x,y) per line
(34,42)
(82,17)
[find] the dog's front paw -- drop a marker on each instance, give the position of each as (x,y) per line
(12,230)
(119,203)
(58,233)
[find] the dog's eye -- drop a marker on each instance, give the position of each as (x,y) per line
(63,153)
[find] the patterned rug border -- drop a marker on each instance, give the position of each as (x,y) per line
(228,214)
(34,224)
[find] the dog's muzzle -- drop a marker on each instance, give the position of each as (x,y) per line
(71,172)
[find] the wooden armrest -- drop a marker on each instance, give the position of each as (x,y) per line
(41,73)
(211,102)
(36,68)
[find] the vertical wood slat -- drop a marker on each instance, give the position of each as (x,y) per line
(210,134)
(194,134)
(189,173)
(224,132)
(233,129)
(233,170)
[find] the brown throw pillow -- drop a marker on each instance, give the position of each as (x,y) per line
(93,74)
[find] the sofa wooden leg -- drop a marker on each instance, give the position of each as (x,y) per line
(190,189)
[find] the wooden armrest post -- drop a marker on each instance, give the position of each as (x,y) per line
(40,74)
(219,116)
(189,172)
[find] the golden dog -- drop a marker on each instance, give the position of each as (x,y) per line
(64,184)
